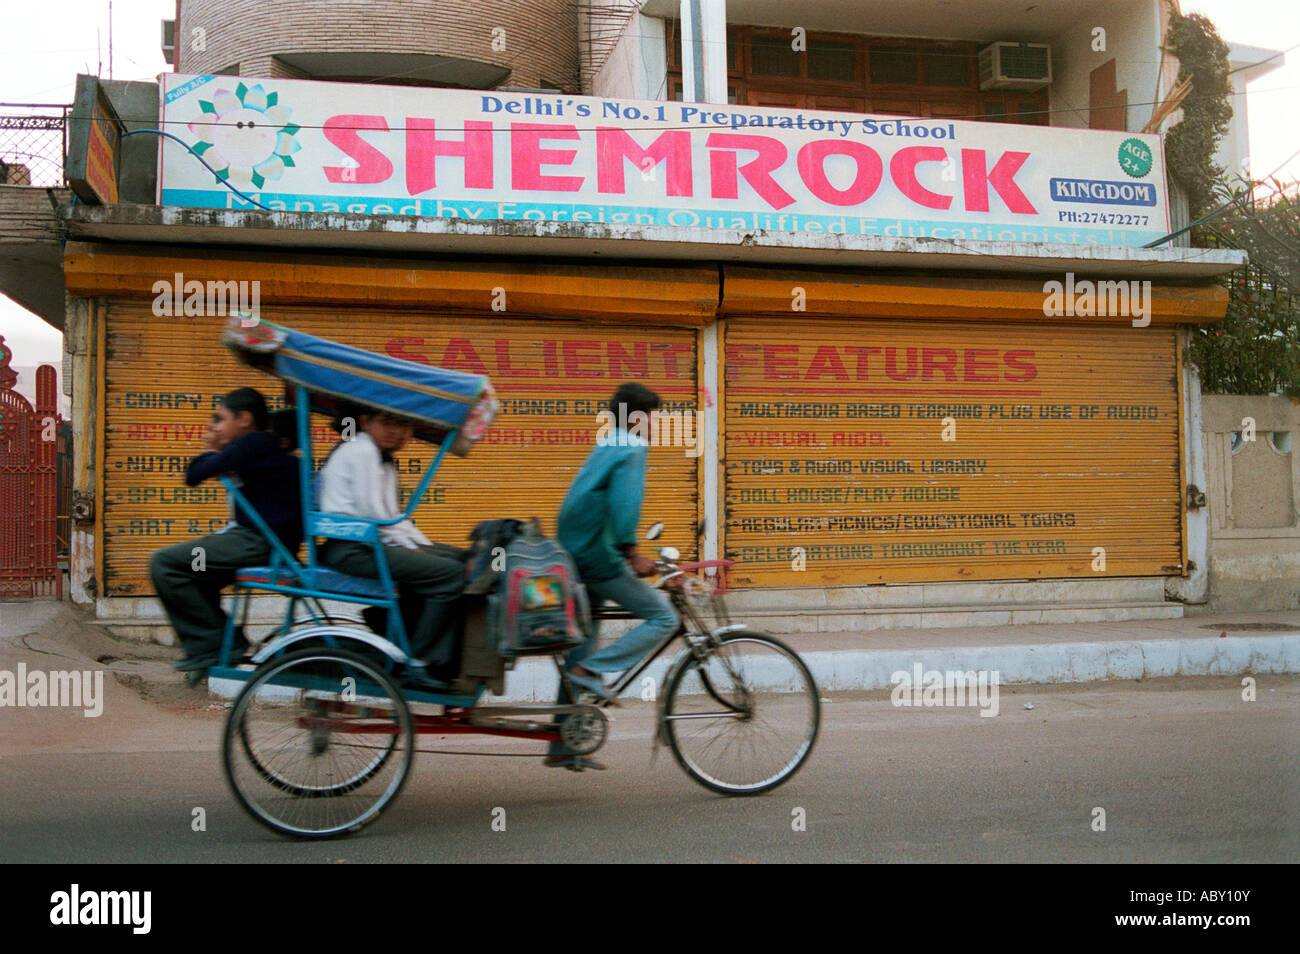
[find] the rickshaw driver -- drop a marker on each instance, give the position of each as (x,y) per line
(597,524)
(359,479)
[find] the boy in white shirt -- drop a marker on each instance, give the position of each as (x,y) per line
(359,479)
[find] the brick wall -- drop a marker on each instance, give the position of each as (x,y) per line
(541,41)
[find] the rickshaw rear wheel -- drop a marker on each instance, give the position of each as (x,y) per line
(318,743)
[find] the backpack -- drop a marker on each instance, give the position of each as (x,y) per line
(488,537)
(540,606)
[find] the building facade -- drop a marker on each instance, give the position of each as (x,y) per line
(918,365)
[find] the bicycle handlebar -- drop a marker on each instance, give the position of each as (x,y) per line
(671,571)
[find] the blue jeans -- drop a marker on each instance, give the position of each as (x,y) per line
(641,600)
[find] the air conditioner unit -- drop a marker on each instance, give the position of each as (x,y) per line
(1023,66)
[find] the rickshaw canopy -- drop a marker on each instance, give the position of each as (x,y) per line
(438,400)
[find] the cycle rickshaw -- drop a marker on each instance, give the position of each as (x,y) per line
(321,735)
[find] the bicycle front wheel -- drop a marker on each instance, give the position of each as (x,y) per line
(744,719)
(318,743)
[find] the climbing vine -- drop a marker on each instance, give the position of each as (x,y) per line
(1207,110)
(1256,348)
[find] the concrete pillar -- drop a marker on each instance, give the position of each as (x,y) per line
(704,80)
(1193,588)
(707,431)
(79,337)
(704,51)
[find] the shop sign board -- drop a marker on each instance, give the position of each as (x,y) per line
(676,169)
(94,144)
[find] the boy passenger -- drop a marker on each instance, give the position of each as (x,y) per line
(359,479)
(190,576)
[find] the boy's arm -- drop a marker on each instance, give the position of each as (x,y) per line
(239,456)
(626,488)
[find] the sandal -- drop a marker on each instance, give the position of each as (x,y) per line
(592,684)
(574,763)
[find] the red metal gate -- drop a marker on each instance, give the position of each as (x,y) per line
(29,566)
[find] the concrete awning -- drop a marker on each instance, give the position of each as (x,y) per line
(398,234)
(377,67)
(31,249)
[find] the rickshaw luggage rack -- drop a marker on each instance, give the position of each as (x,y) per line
(320,737)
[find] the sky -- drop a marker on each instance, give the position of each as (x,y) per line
(47,42)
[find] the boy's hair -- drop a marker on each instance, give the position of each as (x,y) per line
(345,411)
(637,397)
(250,400)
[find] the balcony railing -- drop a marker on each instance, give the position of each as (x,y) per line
(33,142)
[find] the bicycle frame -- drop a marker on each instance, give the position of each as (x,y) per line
(686,612)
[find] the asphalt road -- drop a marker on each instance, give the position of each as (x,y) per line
(1185,770)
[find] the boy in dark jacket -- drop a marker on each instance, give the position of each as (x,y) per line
(190,576)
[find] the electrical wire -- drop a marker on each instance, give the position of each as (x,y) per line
(159,132)
(1251,66)
(1215,213)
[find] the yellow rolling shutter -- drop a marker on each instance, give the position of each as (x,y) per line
(164,376)
(641,294)
(887,451)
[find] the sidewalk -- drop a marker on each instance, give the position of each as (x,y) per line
(1215,644)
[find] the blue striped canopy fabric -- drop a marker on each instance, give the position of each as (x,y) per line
(436,399)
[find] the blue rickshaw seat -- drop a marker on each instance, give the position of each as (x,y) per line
(320,578)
